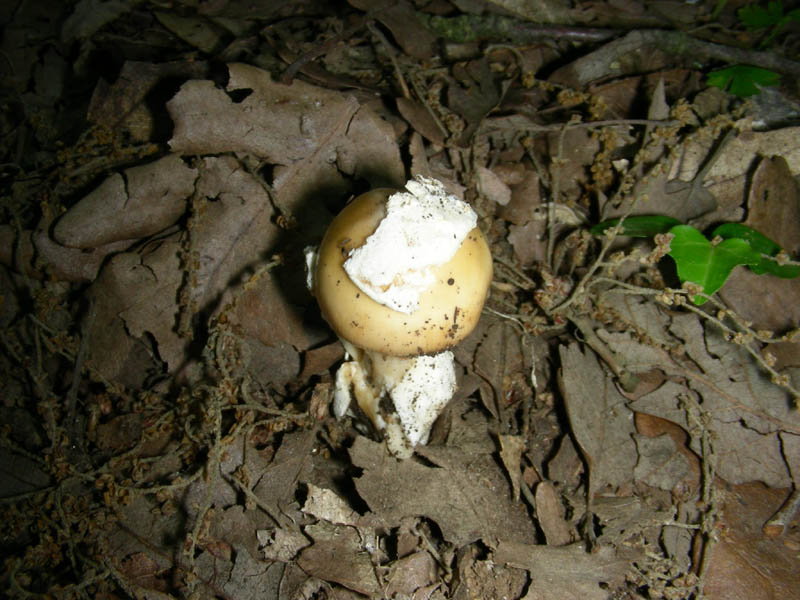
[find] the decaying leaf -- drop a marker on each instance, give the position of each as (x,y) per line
(567,572)
(467,496)
(745,409)
(135,204)
(599,419)
(550,513)
(337,555)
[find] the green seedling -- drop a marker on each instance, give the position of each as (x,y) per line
(743,80)
(703,261)
(755,17)
(761,244)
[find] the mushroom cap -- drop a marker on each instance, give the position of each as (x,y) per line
(448,310)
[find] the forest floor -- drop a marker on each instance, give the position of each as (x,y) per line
(626,421)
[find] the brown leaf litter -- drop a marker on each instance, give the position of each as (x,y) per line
(166,417)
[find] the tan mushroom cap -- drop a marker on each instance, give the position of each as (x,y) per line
(448,310)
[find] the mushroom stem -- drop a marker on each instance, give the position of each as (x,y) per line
(419,387)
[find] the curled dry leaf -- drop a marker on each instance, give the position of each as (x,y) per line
(35,254)
(550,511)
(139,203)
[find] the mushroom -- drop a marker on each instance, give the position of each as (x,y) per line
(401,276)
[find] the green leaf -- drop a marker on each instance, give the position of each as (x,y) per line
(706,265)
(761,244)
(743,79)
(755,17)
(639,226)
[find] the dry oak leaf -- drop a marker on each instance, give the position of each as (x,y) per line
(135,297)
(747,412)
(313,136)
(275,122)
(468,496)
(135,204)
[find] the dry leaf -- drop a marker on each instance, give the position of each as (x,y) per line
(421,120)
(122,104)
(550,514)
(744,562)
(35,254)
(410,573)
(232,231)
(496,358)
(277,485)
(337,555)
(747,411)
(276,122)
(135,301)
(281,544)
(565,572)
(479,578)
(325,504)
(726,180)
(400,18)
(466,495)
(137,204)
(511,447)
(659,464)
(492,187)
(600,421)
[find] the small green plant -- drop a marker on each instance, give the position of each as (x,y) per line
(755,18)
(745,80)
(703,261)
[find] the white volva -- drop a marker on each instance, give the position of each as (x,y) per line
(422,394)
